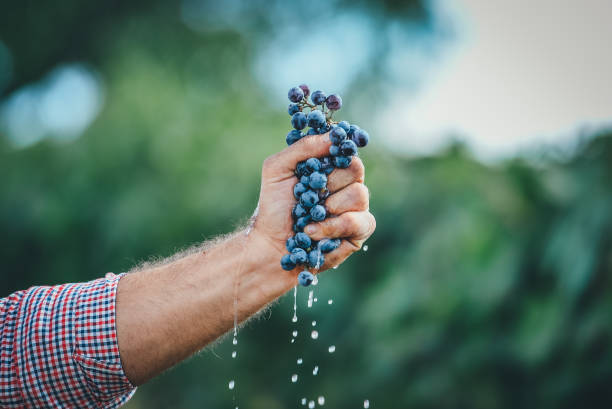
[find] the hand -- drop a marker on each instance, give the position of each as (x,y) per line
(348,203)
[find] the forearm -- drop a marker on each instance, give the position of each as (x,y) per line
(168,312)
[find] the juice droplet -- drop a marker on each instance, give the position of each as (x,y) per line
(315,281)
(310,293)
(292,340)
(294,319)
(294,378)
(303,401)
(235,341)
(294,333)
(335,267)
(366,404)
(321,400)
(314,323)
(231,384)
(314,334)
(330,301)
(311,404)
(315,299)
(365,248)
(233,354)
(315,370)
(299,361)
(331,349)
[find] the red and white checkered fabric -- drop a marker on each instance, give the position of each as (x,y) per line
(58,347)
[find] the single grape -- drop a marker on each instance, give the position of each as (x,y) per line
(305,180)
(312,131)
(309,199)
(293,108)
(337,135)
(327,165)
(318,97)
(333,102)
(316,119)
(298,120)
(287,263)
(316,257)
(318,180)
(299,211)
(344,125)
(313,165)
(342,162)
(302,240)
(318,213)
(348,148)
(290,244)
(327,245)
(305,89)
(361,138)
(300,169)
(298,190)
(295,94)
(352,130)
(334,150)
(301,222)
(293,136)
(305,278)
(299,255)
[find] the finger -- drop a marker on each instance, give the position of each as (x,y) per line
(353,198)
(341,178)
(337,256)
(310,146)
(351,225)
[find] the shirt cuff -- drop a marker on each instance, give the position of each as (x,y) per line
(96,349)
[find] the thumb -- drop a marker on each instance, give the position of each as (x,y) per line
(310,146)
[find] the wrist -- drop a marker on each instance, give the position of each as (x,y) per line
(263,273)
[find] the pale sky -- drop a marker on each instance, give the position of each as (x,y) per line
(521,73)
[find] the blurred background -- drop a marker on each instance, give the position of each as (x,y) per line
(133,129)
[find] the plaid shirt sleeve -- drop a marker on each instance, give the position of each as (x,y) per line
(58,347)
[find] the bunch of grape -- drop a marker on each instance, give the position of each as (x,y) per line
(311,189)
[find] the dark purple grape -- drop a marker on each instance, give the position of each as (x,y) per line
(313,165)
(293,136)
(318,213)
(333,102)
(287,263)
(337,135)
(352,130)
(334,150)
(312,131)
(348,148)
(298,120)
(305,278)
(361,138)
(343,162)
(293,108)
(317,180)
(318,97)
(316,119)
(306,90)
(295,94)
(344,125)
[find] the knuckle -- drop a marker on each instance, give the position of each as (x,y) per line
(371,223)
(358,169)
(352,222)
(363,196)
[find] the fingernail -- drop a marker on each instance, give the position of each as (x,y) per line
(310,229)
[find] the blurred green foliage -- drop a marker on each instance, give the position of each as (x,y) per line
(485,286)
